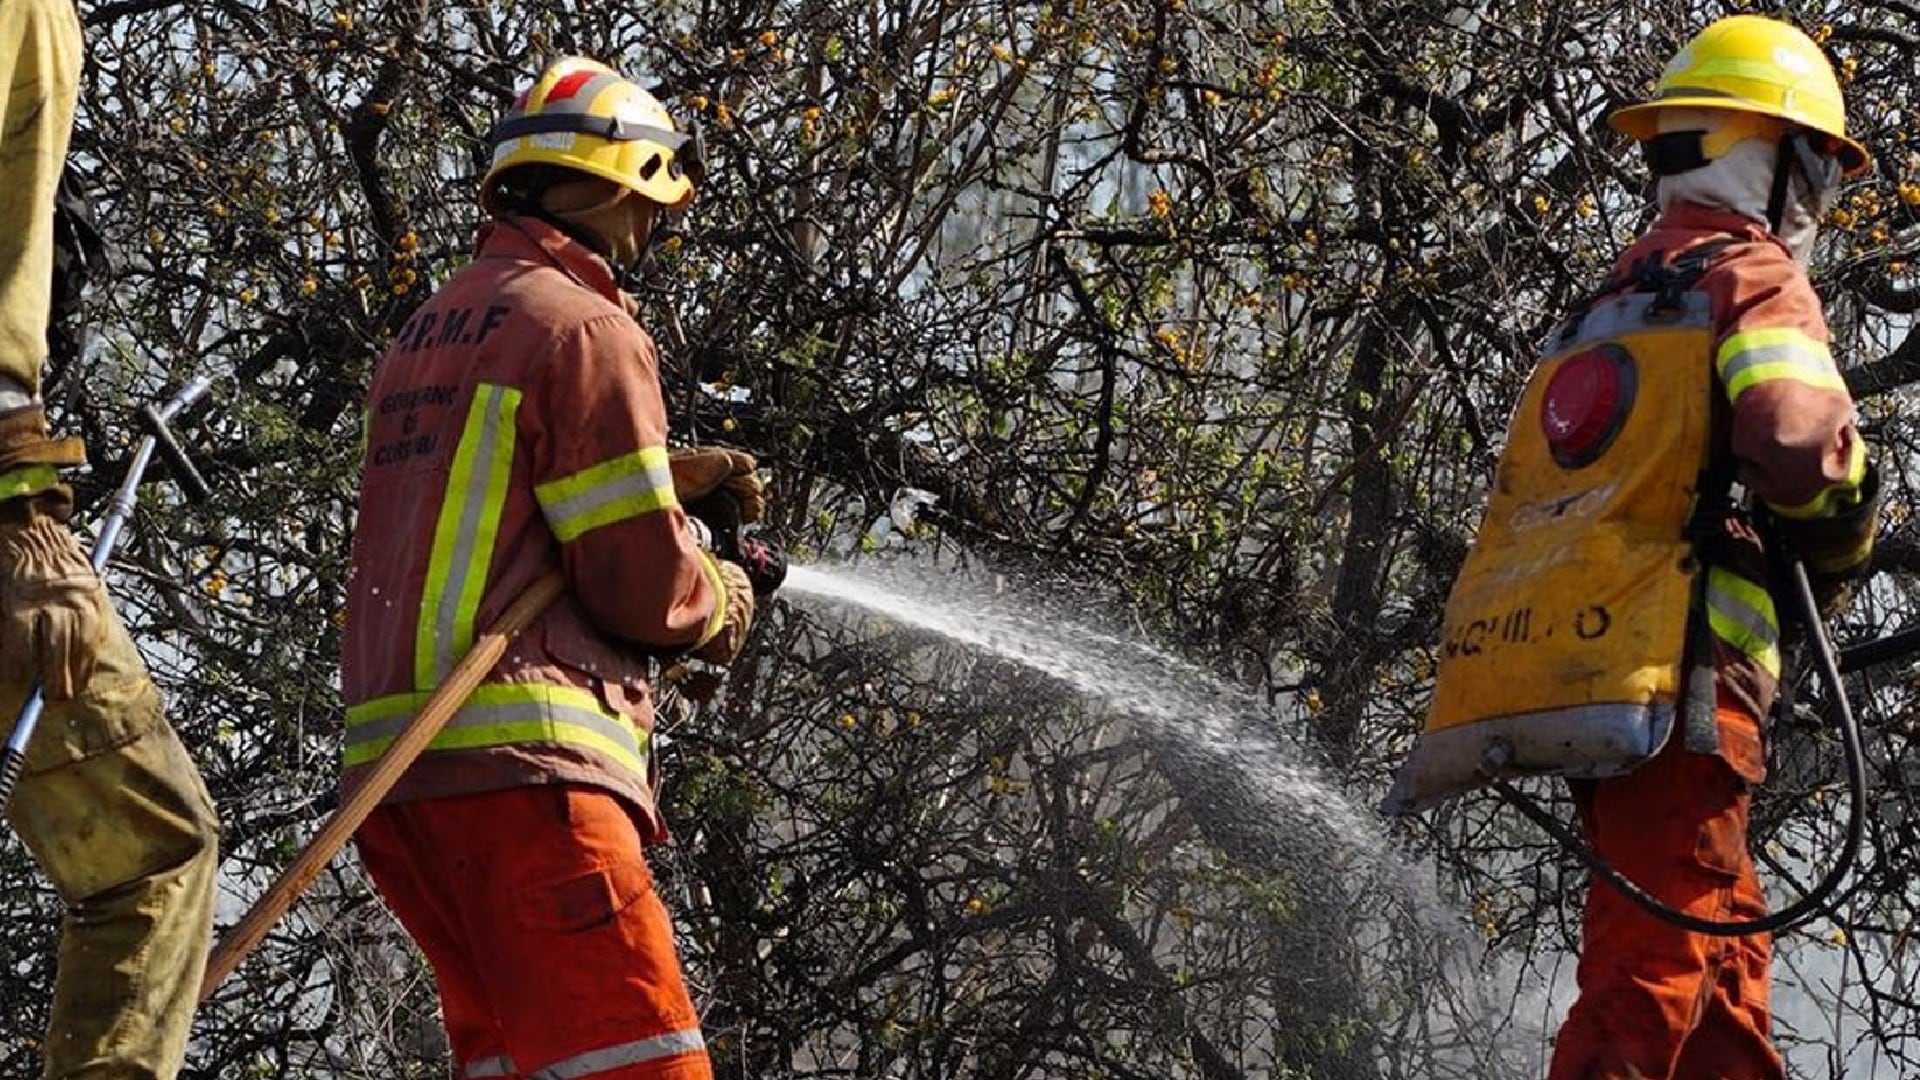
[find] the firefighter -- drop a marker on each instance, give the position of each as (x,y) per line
(109,802)
(1613,622)
(1747,136)
(514,427)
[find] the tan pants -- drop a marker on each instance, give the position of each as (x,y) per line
(40,53)
(116,815)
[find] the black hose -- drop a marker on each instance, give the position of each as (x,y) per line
(1809,905)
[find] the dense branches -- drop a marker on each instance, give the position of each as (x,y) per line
(1201,310)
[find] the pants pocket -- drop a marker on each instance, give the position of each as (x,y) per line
(584,901)
(116,817)
(1721,845)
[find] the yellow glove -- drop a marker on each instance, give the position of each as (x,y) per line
(699,471)
(724,646)
(52,608)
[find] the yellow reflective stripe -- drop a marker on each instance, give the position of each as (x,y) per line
(1746,360)
(1741,614)
(710,566)
(501,715)
(27,480)
(464,535)
(1837,497)
(626,487)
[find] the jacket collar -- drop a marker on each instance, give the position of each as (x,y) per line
(532,240)
(1693,217)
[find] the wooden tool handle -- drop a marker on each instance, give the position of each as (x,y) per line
(447,699)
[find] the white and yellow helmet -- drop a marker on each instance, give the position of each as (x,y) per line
(581,114)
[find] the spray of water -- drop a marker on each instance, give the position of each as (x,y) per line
(1145,684)
(1180,706)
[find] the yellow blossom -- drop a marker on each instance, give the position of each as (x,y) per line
(309,285)
(1159,203)
(769,39)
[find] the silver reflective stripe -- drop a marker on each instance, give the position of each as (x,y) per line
(646,482)
(479,716)
(613,1057)
(648,488)
(493,1066)
(1735,611)
(1812,362)
(1628,313)
(449,641)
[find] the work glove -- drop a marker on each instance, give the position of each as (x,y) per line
(699,471)
(52,611)
(724,646)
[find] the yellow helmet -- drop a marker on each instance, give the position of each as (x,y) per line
(1751,64)
(581,114)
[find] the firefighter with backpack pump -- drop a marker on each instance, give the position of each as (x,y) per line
(516,428)
(1613,622)
(109,802)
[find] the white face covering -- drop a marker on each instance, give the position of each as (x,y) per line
(1741,181)
(14,396)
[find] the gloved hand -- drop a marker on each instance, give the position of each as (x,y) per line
(1836,549)
(52,609)
(725,645)
(699,471)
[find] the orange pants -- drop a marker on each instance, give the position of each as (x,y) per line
(553,953)
(1657,1002)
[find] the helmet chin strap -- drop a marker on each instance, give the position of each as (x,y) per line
(1783,166)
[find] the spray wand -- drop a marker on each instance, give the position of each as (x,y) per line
(159,436)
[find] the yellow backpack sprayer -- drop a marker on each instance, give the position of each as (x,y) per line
(1576,640)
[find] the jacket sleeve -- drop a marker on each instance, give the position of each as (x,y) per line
(601,478)
(1792,431)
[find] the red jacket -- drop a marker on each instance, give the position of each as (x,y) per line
(516,427)
(1786,419)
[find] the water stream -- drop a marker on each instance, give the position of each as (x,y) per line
(1185,709)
